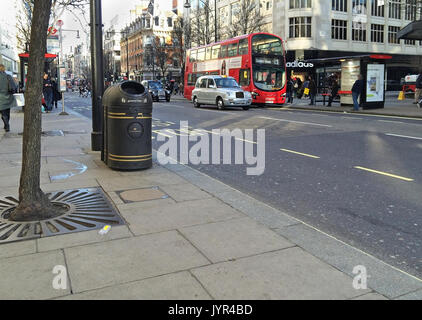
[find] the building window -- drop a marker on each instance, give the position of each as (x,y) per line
(377,33)
(300,27)
(394,11)
(298,4)
(377,8)
(339,5)
(339,29)
(392,35)
(410,10)
(234,12)
(169,22)
(157,21)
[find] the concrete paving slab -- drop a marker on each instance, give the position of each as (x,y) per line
(183,214)
(115,262)
(66,185)
(175,286)
(19,248)
(13,181)
(30,276)
(142,194)
(236,238)
(383,278)
(371,296)
(268,216)
(185,192)
(75,174)
(62,152)
(287,274)
(123,183)
(81,238)
(416,295)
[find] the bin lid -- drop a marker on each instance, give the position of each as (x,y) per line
(128,94)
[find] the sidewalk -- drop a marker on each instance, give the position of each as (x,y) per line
(203,240)
(393,107)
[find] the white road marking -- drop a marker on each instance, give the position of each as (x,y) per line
(301,122)
(401,136)
(391,121)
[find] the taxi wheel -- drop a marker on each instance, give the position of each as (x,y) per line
(245,108)
(220,104)
(195,102)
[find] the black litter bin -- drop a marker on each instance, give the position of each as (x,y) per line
(127,126)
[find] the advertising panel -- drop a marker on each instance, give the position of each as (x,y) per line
(375,83)
(62,79)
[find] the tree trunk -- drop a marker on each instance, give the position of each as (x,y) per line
(33,203)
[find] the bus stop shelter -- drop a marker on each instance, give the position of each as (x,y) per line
(370,66)
(24,58)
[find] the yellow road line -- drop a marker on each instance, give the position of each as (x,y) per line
(300,153)
(384,173)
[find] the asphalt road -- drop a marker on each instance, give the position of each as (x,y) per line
(355,177)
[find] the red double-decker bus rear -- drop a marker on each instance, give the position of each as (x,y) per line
(256,61)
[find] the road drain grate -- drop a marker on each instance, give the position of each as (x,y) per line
(87,209)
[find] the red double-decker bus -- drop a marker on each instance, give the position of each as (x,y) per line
(256,61)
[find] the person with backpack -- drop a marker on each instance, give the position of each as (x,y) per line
(7,100)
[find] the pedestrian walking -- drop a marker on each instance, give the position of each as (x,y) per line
(312,90)
(7,100)
(182,92)
(56,93)
(289,90)
(48,92)
(334,91)
(176,88)
(418,89)
(356,92)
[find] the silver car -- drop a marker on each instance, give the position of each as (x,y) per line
(221,91)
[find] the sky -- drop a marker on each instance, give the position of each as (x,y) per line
(110,8)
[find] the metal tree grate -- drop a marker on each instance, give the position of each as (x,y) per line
(87,209)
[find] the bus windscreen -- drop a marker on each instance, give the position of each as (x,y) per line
(268,62)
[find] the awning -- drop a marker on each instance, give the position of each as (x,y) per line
(341,59)
(413,31)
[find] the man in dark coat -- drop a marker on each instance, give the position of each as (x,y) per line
(334,91)
(312,90)
(48,92)
(357,90)
(7,101)
(289,90)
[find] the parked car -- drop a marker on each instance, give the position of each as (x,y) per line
(157,90)
(221,91)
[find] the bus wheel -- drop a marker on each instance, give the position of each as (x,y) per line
(195,102)
(220,104)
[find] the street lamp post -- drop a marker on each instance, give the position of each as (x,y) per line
(97,70)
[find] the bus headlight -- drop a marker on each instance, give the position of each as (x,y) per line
(254,94)
(283,95)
